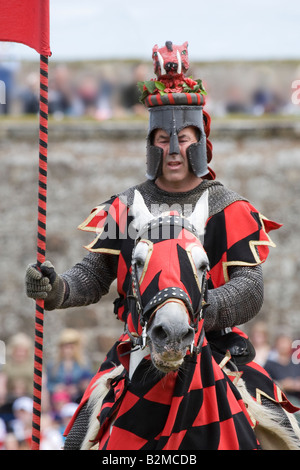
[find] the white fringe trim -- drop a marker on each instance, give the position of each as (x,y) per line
(271,435)
(95,403)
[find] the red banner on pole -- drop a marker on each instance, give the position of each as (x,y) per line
(26,22)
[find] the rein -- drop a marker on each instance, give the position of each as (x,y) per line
(145,313)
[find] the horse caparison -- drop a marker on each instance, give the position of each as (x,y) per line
(172,392)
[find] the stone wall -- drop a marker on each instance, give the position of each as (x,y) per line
(88,162)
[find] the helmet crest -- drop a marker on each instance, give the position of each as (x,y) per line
(175,102)
(170,59)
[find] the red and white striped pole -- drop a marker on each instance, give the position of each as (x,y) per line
(41,252)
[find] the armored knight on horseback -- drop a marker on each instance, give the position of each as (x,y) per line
(235,236)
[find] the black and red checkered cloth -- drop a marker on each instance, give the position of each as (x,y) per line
(237,235)
(197,407)
(194,408)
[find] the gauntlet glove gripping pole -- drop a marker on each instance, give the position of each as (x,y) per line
(41,251)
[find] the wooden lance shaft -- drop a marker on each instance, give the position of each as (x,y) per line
(41,251)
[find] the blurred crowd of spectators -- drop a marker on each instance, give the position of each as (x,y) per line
(71,94)
(67,375)
(104,92)
(280,358)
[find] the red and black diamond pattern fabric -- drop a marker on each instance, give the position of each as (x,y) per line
(235,236)
(196,408)
(114,235)
(238,235)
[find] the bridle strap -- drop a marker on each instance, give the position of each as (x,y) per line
(136,339)
(144,313)
(196,349)
(166,294)
(199,313)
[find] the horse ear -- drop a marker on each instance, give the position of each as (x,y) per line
(200,214)
(139,211)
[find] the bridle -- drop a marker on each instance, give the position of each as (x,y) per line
(146,312)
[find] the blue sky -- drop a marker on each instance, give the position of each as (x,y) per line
(215,29)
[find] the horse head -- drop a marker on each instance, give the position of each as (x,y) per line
(169,267)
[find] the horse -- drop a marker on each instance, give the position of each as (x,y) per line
(170,392)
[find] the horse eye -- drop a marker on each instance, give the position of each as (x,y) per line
(139,263)
(183,52)
(202,267)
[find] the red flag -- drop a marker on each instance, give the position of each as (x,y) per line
(27,22)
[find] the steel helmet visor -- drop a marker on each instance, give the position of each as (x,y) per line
(172,119)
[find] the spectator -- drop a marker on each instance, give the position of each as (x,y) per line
(59,399)
(235,101)
(105,102)
(130,94)
(66,372)
(88,93)
(18,370)
(30,95)
(21,425)
(266,100)
(60,92)
(283,370)
(51,438)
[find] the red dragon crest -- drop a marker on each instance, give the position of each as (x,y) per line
(170,59)
(171,63)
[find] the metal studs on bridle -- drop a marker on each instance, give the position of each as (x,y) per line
(155,228)
(148,232)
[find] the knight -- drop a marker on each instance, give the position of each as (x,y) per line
(235,236)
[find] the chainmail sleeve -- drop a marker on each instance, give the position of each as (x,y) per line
(89,280)
(237,301)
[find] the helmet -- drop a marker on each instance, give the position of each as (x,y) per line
(175,102)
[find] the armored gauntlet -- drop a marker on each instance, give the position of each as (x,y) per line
(45,284)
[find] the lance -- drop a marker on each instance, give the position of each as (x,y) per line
(41,251)
(27,22)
